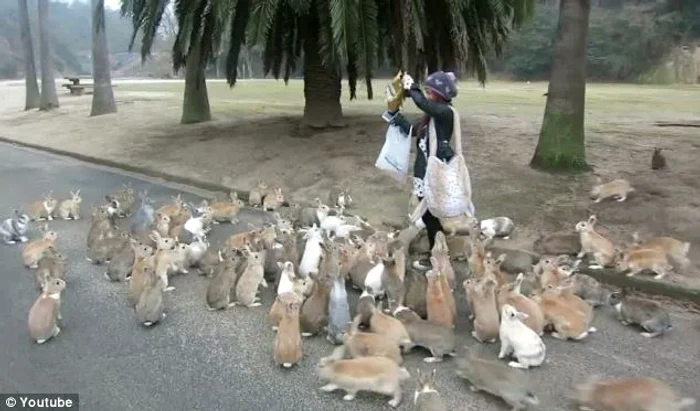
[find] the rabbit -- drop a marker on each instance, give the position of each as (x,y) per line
(222,285)
(477,257)
(144,218)
(338,312)
(173,208)
(426,397)
(340,197)
(517,260)
(570,317)
(290,250)
(274,200)
(588,288)
(437,302)
(394,275)
(492,268)
(494,377)
(440,253)
(196,250)
(139,280)
(375,374)
(658,161)
(312,251)
(277,310)
(636,261)
(196,224)
(251,280)
(649,315)
(389,327)
(307,217)
(257,193)
(70,208)
(43,209)
(461,225)
(288,345)
(362,261)
(163,225)
(619,188)
(358,344)
(227,210)
(365,307)
(102,222)
(511,294)
(449,295)
(149,308)
(46,311)
(592,243)
(125,198)
(119,267)
(437,339)
(481,296)
(15,229)
(558,243)
(208,263)
(107,246)
(416,286)
(628,394)
(549,273)
(676,250)
(519,341)
(373,280)
(51,265)
(314,310)
(497,227)
(34,250)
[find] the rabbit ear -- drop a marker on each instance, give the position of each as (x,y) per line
(592,220)
(501,258)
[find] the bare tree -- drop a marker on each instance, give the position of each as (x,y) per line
(103,95)
(31,86)
(49,98)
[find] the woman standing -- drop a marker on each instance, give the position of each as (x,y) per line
(440,88)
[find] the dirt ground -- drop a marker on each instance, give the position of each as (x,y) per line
(253,136)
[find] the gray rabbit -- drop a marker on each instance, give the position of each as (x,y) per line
(150,309)
(119,267)
(588,288)
(338,312)
(496,378)
(15,229)
(144,218)
(426,397)
(438,339)
(649,315)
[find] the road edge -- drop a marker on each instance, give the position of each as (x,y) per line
(605,276)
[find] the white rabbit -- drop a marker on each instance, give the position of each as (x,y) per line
(373,280)
(312,251)
(519,340)
(287,276)
(331,224)
(195,226)
(344,230)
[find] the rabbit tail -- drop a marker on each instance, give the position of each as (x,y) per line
(686,403)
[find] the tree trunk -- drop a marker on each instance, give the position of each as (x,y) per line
(195,105)
(31,85)
(49,98)
(103,96)
(322,89)
(561,145)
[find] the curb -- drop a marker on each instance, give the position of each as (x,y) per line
(605,276)
(647,286)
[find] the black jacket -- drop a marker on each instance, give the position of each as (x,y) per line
(442,113)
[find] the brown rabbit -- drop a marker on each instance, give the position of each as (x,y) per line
(549,273)
(314,311)
(426,397)
(374,374)
(256,195)
(481,297)
(492,268)
(658,161)
(240,241)
(227,210)
(139,280)
(277,309)
(274,200)
(70,208)
(592,243)
(46,311)
(628,394)
(388,327)
(250,281)
(172,209)
(51,265)
(34,250)
(149,308)
(619,188)
(639,260)
(368,344)
(222,285)
(43,209)
(163,225)
(440,253)
(288,345)
(416,286)
(676,250)
(510,294)
(437,303)
(568,320)
(102,223)
(125,198)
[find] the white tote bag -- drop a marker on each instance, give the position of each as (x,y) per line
(395,155)
(447,185)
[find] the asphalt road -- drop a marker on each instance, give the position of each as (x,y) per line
(201,360)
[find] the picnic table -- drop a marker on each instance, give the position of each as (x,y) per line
(76,88)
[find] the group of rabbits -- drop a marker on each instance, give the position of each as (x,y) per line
(309,253)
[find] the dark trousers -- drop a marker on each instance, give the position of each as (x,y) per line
(432,226)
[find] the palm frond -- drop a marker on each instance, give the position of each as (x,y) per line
(367,42)
(190,22)
(261,20)
(237,38)
(146,16)
(328,49)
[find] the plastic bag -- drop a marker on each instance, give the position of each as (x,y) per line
(395,155)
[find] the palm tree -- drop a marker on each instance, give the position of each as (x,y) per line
(103,96)
(561,142)
(332,36)
(49,98)
(200,27)
(31,86)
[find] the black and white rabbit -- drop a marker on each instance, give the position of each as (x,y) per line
(15,229)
